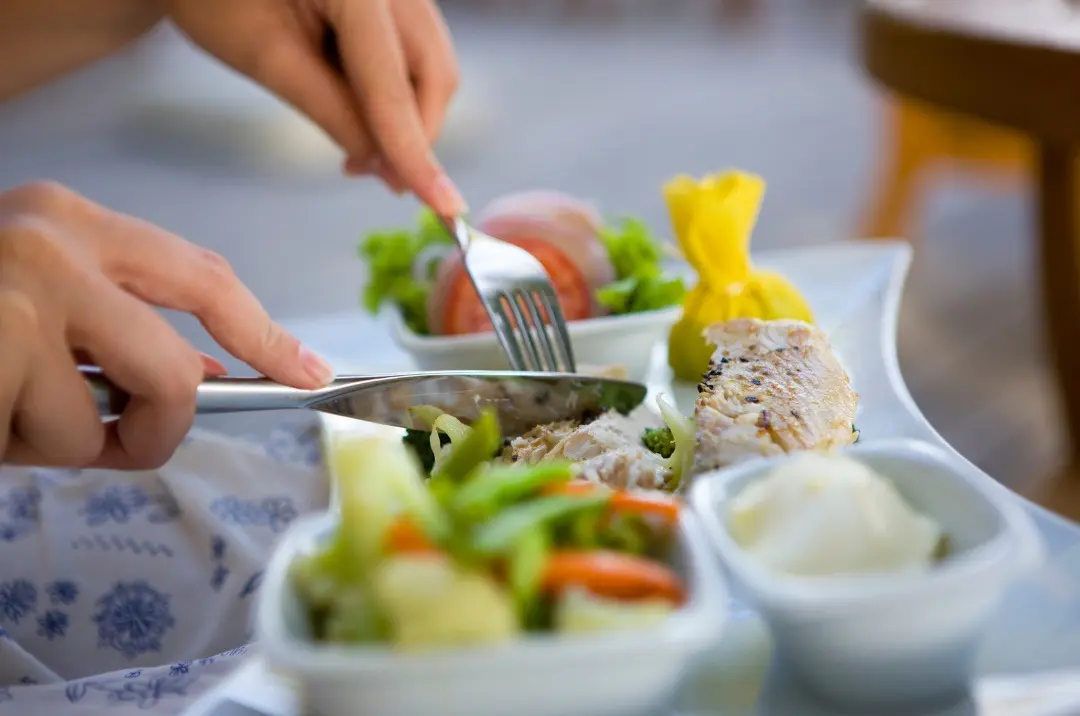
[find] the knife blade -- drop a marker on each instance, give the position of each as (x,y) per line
(520,400)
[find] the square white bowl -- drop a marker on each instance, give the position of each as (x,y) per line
(606,674)
(625,340)
(880,641)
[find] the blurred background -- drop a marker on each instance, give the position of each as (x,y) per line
(605,99)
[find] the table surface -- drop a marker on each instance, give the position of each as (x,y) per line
(1052,23)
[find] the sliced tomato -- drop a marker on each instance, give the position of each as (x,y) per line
(462,312)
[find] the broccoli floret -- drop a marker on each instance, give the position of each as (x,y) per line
(659,441)
(420,443)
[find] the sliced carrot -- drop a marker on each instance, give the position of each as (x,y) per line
(638,503)
(404,537)
(612,574)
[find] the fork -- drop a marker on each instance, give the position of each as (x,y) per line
(517,294)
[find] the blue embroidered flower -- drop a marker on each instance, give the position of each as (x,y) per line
(133,618)
(300,447)
(63,592)
(180,667)
(273,512)
(52,624)
(20,513)
(17,599)
(217,547)
(206,662)
(251,585)
(217,579)
(133,674)
(144,694)
(115,503)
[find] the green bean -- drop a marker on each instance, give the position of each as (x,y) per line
(486,492)
(496,537)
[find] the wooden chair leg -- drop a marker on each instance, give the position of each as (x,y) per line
(906,150)
(1059,234)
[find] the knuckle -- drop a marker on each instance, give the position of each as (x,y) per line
(18,316)
(29,247)
(216,269)
(177,386)
(43,197)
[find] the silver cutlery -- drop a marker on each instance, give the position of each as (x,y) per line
(519,298)
(521,400)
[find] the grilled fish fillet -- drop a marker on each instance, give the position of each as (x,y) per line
(772,387)
(608,450)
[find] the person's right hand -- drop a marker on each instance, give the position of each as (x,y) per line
(77,286)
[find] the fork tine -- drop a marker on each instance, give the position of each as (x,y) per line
(532,353)
(542,334)
(554,311)
(505,331)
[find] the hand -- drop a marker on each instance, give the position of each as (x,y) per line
(382,93)
(78,284)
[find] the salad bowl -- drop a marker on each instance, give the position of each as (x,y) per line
(625,340)
(615,673)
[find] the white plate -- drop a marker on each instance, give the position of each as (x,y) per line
(854,289)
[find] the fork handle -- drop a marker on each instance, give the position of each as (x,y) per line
(214,395)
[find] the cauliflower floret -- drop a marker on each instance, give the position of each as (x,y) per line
(429,602)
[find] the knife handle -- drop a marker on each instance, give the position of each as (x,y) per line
(214,395)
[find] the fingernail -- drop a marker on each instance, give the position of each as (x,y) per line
(316,366)
(212,366)
(447,198)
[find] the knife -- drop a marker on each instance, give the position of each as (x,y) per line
(521,400)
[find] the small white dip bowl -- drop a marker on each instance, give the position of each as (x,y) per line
(888,641)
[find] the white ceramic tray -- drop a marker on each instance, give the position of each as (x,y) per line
(1030,658)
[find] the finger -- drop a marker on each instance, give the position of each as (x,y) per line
(18,328)
(165,270)
(294,70)
(375,65)
(56,419)
(212,366)
(430,59)
(141,353)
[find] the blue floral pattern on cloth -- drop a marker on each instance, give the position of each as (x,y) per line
(18,598)
(273,512)
(19,513)
(145,688)
(133,618)
(118,503)
(140,575)
(302,447)
(62,592)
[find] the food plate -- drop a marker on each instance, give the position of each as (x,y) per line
(855,290)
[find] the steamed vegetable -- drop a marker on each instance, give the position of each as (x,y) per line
(482,552)
(579,611)
(659,441)
(432,602)
(713,219)
(595,269)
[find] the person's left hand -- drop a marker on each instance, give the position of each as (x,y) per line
(384,104)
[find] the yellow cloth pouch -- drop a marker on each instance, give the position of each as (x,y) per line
(713,219)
